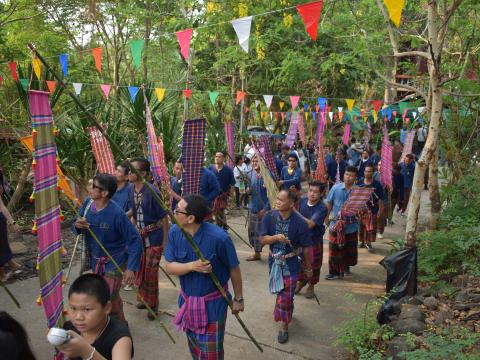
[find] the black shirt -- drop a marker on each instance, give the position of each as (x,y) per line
(104,344)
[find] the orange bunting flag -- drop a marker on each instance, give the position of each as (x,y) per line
(310,14)
(97,56)
(51,84)
(240,96)
(350,103)
(187,93)
(395,8)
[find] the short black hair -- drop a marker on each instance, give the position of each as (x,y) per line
(126,166)
(321,186)
(144,164)
(107,182)
(92,285)
(410,156)
(197,206)
(352,169)
(13,339)
(291,195)
(222,152)
(370,165)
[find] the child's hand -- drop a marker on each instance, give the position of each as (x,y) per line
(76,347)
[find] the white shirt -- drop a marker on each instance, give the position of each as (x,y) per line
(421,134)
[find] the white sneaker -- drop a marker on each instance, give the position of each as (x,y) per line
(380,236)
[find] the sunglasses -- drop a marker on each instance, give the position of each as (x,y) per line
(177,211)
(97,187)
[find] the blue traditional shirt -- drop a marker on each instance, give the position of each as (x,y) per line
(225,177)
(317,213)
(278,165)
(121,198)
(259,199)
(291,179)
(398,188)
(209,185)
(152,213)
(176,186)
(407,171)
(332,170)
(377,194)
(337,196)
(217,247)
(295,229)
(115,232)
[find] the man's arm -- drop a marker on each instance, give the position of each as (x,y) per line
(236,277)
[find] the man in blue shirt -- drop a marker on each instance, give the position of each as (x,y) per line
(152,223)
(314,212)
(342,255)
(203,310)
(291,175)
(121,195)
(115,232)
(364,162)
(257,207)
(336,168)
(287,234)
(226,180)
(407,169)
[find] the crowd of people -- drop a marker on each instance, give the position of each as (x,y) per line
(126,231)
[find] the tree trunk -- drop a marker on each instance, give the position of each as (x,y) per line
(434,190)
(22,180)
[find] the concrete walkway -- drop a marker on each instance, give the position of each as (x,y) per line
(311,332)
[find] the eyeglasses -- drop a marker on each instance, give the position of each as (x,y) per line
(97,187)
(177,211)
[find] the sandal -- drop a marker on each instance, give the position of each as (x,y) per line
(254,258)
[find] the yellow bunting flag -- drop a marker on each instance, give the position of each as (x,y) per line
(350,103)
(375,116)
(36,68)
(394,8)
(282,104)
(160,93)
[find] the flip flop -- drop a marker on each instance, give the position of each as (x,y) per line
(253,258)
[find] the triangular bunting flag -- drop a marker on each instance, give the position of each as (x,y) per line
(377,104)
(317,107)
(187,93)
(402,106)
(106,90)
(322,102)
(51,84)
(257,102)
(24,83)
(133,90)
(77,87)
(394,8)
(350,103)
(310,14)
(213,96)
(294,100)
(282,104)
(242,28)
(13,69)
(136,47)
(160,94)
(97,56)
(268,100)
(64,63)
(240,96)
(184,37)
(305,107)
(414,113)
(37,68)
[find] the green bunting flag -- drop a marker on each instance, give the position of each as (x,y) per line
(24,83)
(136,47)
(402,106)
(213,96)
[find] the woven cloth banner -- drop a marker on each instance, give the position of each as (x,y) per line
(407,148)
(155,152)
(192,154)
(321,171)
(357,200)
(263,147)
(346,134)
(386,161)
(230,143)
(292,130)
(301,128)
(47,210)
(102,152)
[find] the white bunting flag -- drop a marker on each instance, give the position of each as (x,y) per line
(340,109)
(242,27)
(257,103)
(268,100)
(330,115)
(414,113)
(77,87)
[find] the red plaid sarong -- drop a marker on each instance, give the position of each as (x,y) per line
(368,227)
(114,280)
(102,152)
(147,277)
(284,304)
(208,346)
(192,155)
(341,256)
(316,259)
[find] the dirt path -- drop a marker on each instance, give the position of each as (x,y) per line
(311,333)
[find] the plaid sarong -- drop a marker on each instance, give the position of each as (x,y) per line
(341,256)
(208,346)
(407,148)
(292,130)
(316,258)
(192,155)
(254,222)
(114,280)
(263,146)
(284,304)
(47,209)
(101,151)
(368,227)
(230,143)
(147,277)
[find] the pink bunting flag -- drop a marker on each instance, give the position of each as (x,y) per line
(106,90)
(346,134)
(294,100)
(184,38)
(310,14)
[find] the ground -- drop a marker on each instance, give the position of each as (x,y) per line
(311,332)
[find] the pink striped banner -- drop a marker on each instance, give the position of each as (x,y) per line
(292,130)
(102,152)
(346,134)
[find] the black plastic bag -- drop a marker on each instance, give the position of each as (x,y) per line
(401,280)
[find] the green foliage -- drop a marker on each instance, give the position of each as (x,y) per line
(362,335)
(449,344)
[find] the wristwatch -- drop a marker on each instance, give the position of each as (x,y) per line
(240,301)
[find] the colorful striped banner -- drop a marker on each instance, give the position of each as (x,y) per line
(263,147)
(346,134)
(301,128)
(407,148)
(292,130)
(192,155)
(102,152)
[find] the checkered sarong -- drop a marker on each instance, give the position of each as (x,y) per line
(101,151)
(147,277)
(284,304)
(263,146)
(341,256)
(368,228)
(192,154)
(208,346)
(315,253)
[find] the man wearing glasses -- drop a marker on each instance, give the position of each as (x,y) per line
(203,310)
(291,175)
(115,232)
